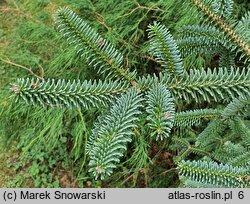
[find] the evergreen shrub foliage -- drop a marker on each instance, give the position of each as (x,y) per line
(198,115)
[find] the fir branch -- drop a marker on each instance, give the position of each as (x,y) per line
(207,39)
(164,48)
(221,24)
(194,117)
(227,151)
(160,110)
(203,39)
(197,45)
(73,94)
(98,51)
(238,107)
(202,31)
(242,27)
(210,137)
(196,85)
(200,85)
(107,144)
(213,173)
(223,9)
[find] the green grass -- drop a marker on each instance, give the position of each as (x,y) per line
(4,171)
(28,41)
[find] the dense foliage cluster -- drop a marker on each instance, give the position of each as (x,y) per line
(162,111)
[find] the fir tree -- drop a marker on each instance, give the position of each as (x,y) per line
(137,105)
